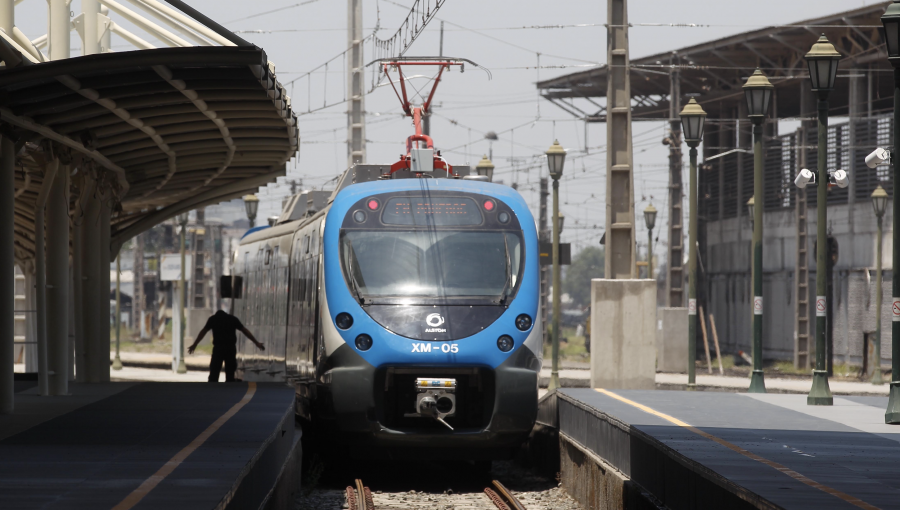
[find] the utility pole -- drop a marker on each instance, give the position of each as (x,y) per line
(426,119)
(356,112)
(620,240)
(675,255)
(544,237)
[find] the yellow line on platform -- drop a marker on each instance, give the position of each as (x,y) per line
(853,500)
(150,483)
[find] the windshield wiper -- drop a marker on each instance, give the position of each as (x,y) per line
(506,284)
(353,283)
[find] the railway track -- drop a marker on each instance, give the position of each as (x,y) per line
(359,497)
(502,498)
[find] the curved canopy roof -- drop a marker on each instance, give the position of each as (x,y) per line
(714,71)
(171,129)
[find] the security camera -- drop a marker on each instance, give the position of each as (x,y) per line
(877,157)
(804,177)
(841,178)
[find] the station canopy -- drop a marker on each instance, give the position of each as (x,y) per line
(169,129)
(715,71)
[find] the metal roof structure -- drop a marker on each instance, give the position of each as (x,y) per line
(714,71)
(163,130)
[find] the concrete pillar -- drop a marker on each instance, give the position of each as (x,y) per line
(8,274)
(94,361)
(90,43)
(58,283)
(59,28)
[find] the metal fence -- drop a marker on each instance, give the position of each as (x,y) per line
(848,145)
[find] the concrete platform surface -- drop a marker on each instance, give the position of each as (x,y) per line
(145,445)
(772,450)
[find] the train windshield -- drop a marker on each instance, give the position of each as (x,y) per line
(424,266)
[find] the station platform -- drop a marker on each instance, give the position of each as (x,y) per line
(692,450)
(149,445)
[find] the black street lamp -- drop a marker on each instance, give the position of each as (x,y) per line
(758,91)
(823,63)
(556,159)
(891,22)
(485,168)
(650,221)
(251,203)
(879,204)
(693,117)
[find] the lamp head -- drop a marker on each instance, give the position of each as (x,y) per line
(251,203)
(556,159)
(823,63)
(485,167)
(650,216)
(891,21)
(693,118)
(879,201)
(758,91)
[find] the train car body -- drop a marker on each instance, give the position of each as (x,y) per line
(405,312)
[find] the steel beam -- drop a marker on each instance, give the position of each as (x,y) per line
(620,240)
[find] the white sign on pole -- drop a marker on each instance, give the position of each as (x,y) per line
(170,267)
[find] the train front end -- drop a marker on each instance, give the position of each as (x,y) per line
(431,322)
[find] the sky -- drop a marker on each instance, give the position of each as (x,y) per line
(510,38)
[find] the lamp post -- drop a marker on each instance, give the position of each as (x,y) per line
(182,368)
(823,63)
(485,168)
(117,361)
(491,137)
(758,92)
(251,203)
(556,159)
(891,21)
(692,120)
(879,203)
(650,221)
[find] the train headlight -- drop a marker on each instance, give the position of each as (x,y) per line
(343,320)
(364,342)
(523,322)
(505,343)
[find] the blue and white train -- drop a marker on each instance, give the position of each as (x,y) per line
(405,312)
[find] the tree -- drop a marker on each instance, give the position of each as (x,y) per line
(587,264)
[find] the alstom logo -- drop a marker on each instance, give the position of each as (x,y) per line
(434,320)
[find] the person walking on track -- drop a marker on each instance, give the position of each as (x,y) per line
(224,327)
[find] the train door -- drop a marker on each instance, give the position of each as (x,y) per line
(293,342)
(312,296)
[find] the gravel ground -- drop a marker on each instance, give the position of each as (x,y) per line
(425,486)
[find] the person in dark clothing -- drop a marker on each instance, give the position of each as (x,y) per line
(224,327)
